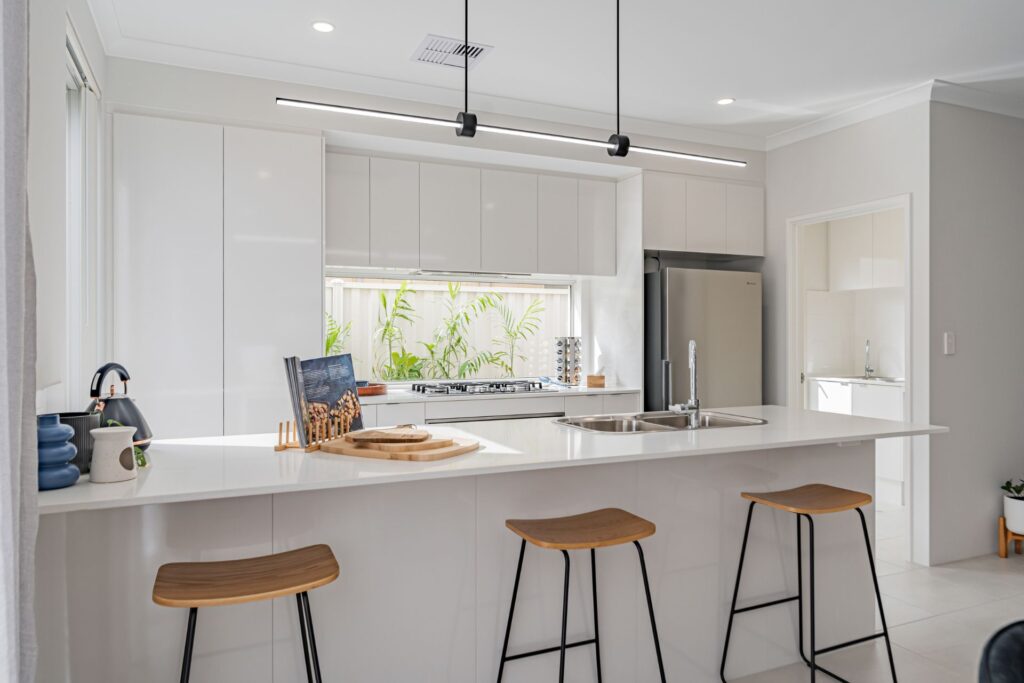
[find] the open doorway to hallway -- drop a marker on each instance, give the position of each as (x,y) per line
(852,308)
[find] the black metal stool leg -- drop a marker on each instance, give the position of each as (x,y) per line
(736,591)
(565,619)
(650,610)
(878,594)
(190,638)
(597,640)
(305,639)
(800,589)
(312,636)
(511,610)
(810,550)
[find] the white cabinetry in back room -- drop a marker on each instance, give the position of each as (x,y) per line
(597,235)
(449,217)
(508,222)
(867,251)
(394,213)
(558,234)
(273,270)
(168,249)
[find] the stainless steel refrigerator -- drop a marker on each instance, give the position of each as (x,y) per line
(719,309)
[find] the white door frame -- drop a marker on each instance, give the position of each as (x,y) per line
(916,478)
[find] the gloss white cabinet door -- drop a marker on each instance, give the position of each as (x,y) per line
(888,236)
(273,270)
(347,210)
(850,259)
(168,266)
(558,243)
(664,211)
(508,222)
(449,217)
(744,214)
(597,232)
(705,216)
(394,213)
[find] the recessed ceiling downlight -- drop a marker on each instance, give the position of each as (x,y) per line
(323,26)
(727,100)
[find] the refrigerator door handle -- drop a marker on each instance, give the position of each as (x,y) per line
(666,384)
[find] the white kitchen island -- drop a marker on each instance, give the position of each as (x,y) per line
(427,564)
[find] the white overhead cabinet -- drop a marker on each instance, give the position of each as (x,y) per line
(664,211)
(509,222)
(706,207)
(849,253)
(168,238)
(596,227)
(558,234)
(394,213)
(867,251)
(888,248)
(699,215)
(347,229)
(450,217)
(273,270)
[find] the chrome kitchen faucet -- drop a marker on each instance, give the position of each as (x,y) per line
(691,407)
(868,370)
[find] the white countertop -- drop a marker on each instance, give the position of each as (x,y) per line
(233,466)
(404,394)
(888,382)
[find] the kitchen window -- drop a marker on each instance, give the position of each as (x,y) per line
(440,329)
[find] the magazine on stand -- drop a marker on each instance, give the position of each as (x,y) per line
(323,388)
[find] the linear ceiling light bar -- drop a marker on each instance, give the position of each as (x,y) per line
(465,124)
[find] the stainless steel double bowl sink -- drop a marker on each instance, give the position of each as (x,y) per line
(657,422)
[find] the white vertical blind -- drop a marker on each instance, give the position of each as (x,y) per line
(357,301)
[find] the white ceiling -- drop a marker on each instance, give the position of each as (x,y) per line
(787,62)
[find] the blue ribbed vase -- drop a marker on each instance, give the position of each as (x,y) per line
(55,453)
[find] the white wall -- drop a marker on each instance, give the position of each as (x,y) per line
(46,177)
(876,159)
(977,238)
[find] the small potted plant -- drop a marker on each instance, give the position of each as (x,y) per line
(1013,505)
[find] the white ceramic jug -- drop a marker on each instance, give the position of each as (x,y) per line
(113,457)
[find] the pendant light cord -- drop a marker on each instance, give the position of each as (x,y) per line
(465,57)
(618,122)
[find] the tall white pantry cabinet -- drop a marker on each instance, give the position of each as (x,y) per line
(218,240)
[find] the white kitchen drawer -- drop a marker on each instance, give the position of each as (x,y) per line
(583,405)
(621,403)
(437,411)
(830,397)
(369,416)
(389,414)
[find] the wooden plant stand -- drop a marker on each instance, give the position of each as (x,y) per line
(1005,537)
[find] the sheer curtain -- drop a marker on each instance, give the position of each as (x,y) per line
(18,514)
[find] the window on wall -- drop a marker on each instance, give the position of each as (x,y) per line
(404,330)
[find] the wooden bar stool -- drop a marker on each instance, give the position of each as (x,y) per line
(591,530)
(232,582)
(807,501)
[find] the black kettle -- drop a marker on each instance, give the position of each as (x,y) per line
(118,407)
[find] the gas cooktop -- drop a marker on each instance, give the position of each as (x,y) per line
(480,387)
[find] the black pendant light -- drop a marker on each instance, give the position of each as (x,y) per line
(465,123)
(618,144)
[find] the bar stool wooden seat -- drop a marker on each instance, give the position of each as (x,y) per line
(588,531)
(231,582)
(806,502)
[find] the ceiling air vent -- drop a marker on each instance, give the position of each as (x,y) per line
(449,51)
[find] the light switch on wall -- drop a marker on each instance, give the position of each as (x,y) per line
(948,343)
